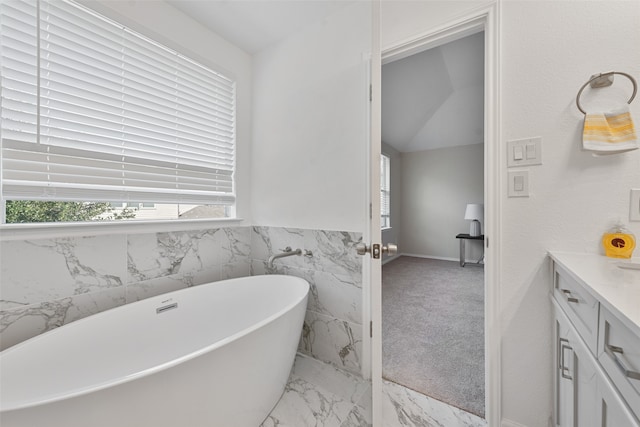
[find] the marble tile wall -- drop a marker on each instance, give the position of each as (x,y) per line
(333,324)
(48,283)
(51,282)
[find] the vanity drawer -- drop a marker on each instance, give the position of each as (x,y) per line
(579,305)
(619,356)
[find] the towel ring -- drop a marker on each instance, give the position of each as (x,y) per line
(604,80)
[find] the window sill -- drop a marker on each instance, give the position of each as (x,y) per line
(386,228)
(54,230)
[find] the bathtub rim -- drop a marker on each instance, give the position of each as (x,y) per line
(163,366)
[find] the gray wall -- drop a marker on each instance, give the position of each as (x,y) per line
(436,187)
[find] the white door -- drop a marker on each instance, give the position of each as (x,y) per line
(375,235)
(486,20)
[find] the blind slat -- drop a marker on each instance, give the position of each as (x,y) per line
(18,190)
(120,118)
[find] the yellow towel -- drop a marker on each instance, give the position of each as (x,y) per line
(609,133)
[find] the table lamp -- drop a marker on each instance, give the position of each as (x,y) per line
(474,212)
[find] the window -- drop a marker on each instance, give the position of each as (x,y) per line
(385,190)
(96,114)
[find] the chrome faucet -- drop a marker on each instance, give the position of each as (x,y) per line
(287,252)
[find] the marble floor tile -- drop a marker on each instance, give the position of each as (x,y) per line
(402,407)
(305,404)
(346,385)
(320,395)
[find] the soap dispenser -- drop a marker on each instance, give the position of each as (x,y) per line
(618,242)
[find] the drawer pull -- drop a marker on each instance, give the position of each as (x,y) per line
(563,368)
(567,294)
(611,351)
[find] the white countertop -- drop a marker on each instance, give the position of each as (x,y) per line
(618,289)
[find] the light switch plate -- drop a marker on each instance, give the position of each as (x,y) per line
(524,152)
(518,185)
(634,210)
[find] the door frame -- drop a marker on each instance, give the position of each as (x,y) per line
(484,18)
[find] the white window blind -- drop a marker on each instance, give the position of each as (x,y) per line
(385,191)
(92,111)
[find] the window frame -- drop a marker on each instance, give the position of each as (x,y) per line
(53,230)
(385,189)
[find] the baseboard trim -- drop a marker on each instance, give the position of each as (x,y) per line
(509,423)
(431,257)
(391,258)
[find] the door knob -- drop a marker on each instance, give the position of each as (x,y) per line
(362,249)
(390,249)
(375,249)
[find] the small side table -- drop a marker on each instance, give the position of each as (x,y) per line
(463,238)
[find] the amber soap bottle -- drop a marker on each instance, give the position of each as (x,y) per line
(618,243)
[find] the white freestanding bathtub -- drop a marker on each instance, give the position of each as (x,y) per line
(214,355)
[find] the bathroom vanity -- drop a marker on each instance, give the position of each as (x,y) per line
(596,327)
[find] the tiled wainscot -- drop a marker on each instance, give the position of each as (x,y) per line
(333,324)
(51,282)
(47,283)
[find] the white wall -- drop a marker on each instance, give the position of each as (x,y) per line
(169,26)
(436,187)
(549,49)
(310,126)
(575,196)
(305,164)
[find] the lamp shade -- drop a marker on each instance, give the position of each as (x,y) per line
(474,211)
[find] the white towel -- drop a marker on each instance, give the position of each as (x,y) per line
(610,132)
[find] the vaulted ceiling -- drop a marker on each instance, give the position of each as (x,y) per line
(435,98)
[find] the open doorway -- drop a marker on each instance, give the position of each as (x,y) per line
(432,292)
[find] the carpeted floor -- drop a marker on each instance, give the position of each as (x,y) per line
(433,329)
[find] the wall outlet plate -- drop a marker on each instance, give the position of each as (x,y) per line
(634,209)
